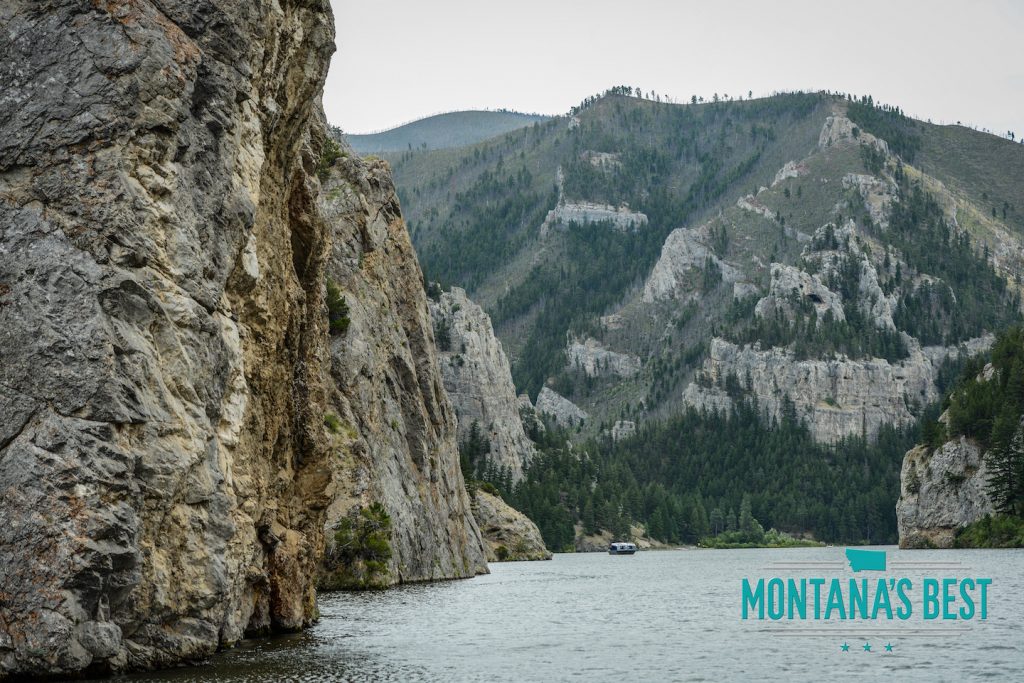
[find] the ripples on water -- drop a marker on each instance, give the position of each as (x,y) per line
(655,616)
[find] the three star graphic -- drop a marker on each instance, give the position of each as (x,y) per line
(845,647)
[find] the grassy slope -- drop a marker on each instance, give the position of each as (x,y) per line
(987,169)
(443,131)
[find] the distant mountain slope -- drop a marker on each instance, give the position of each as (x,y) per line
(641,257)
(771,295)
(444,131)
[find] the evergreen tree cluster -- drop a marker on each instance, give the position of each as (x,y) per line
(949,294)
(971,297)
(888,123)
(687,477)
(487,226)
(987,406)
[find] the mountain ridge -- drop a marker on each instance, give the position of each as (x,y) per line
(698,266)
(443,131)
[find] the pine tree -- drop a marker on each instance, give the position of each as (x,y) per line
(717,522)
(1005,459)
(749,527)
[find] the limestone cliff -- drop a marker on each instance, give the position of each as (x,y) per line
(561,410)
(163,464)
(590,357)
(478,379)
(175,418)
(837,397)
(941,491)
(510,535)
(395,441)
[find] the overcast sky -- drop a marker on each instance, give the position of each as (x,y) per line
(400,60)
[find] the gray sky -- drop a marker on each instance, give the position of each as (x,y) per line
(399,60)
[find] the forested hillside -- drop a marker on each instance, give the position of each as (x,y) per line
(797,277)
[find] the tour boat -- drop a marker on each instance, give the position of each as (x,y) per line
(622,548)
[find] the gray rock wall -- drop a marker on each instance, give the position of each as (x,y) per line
(557,407)
(396,443)
(941,491)
(478,380)
(835,398)
(163,331)
(594,360)
(166,372)
(509,534)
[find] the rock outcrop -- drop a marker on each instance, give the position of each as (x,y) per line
(941,492)
(176,418)
(560,409)
(791,169)
(790,286)
(878,195)
(510,535)
(835,398)
(583,213)
(395,443)
(839,129)
(478,380)
(594,360)
(623,429)
(682,256)
(163,469)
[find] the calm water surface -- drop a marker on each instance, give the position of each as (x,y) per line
(655,616)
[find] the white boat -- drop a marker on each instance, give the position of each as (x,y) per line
(622,548)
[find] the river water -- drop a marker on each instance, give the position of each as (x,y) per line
(654,616)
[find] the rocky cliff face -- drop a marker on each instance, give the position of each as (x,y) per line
(560,409)
(395,443)
(590,357)
(166,372)
(163,469)
(509,534)
(941,491)
(478,380)
(835,398)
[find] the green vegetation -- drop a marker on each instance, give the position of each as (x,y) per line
(886,122)
(971,297)
(989,411)
(443,334)
(770,539)
(672,473)
(999,531)
(329,155)
(494,215)
(968,299)
(475,215)
(332,423)
(476,211)
(478,469)
(605,263)
(337,309)
(810,337)
(362,547)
